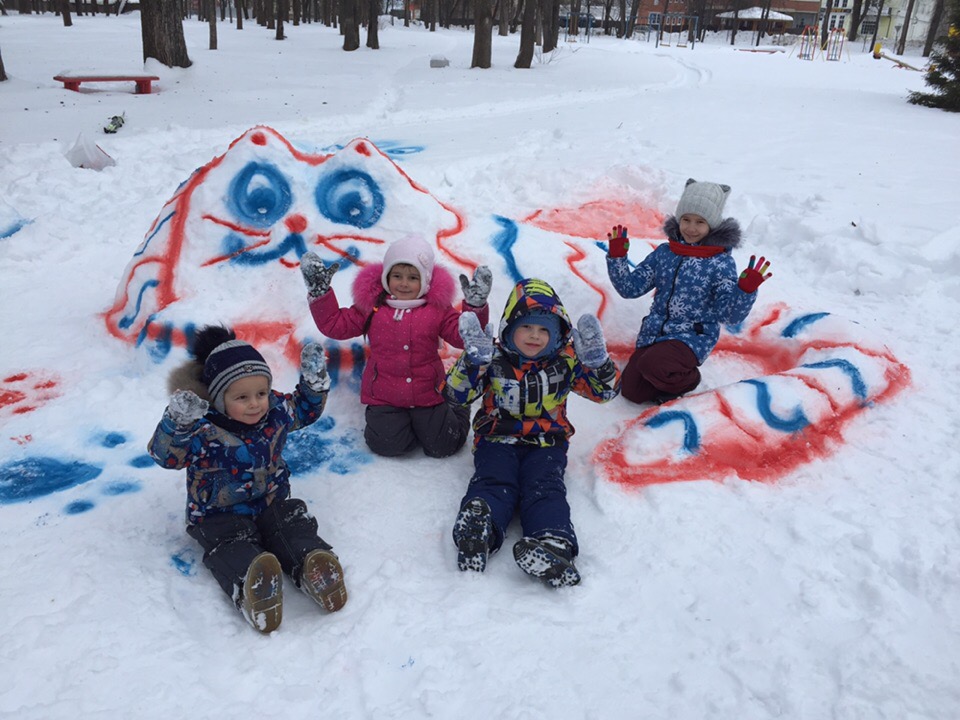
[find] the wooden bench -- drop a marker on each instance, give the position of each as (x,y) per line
(144,82)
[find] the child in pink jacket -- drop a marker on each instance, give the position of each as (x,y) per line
(404,308)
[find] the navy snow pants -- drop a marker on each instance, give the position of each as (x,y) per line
(524,478)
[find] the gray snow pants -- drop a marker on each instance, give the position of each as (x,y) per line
(440,430)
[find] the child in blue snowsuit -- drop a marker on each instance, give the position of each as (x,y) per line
(696,289)
(227,428)
(521,431)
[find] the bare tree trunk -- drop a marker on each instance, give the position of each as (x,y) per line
(527,34)
(825,30)
(931,33)
(503,18)
(482,34)
(902,44)
(161,28)
(876,27)
(65,12)
(240,15)
(764,19)
(297,12)
(350,24)
(736,22)
(281,14)
(3,72)
(373,25)
(632,20)
(406,13)
(550,19)
(212,20)
(856,16)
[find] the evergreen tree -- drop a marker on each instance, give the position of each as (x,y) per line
(944,73)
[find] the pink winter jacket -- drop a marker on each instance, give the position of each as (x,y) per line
(404,367)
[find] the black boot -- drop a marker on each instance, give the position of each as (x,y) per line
(548,558)
(472,533)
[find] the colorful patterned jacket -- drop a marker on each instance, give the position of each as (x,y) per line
(692,295)
(404,367)
(525,401)
(234,467)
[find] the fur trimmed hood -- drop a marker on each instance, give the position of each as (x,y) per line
(188,376)
(726,235)
(367,287)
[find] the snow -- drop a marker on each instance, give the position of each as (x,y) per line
(822,581)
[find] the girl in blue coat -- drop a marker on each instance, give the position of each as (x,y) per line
(696,289)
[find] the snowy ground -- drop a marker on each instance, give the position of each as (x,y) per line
(822,583)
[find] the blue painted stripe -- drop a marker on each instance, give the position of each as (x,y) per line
(801,323)
(849,369)
(691,435)
(798,421)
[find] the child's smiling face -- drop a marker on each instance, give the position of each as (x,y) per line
(403,282)
(247,400)
(531,339)
(693,228)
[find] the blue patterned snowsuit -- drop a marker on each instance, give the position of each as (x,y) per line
(693,296)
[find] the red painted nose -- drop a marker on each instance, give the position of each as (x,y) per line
(296,223)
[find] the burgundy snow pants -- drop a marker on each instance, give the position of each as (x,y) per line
(660,372)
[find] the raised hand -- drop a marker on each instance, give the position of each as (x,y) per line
(186,407)
(617,242)
(313,368)
(588,342)
(316,275)
(475,291)
(477,342)
(755,274)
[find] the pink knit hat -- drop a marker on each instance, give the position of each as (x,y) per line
(409,250)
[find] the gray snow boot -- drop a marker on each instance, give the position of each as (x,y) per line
(547,558)
(261,600)
(472,533)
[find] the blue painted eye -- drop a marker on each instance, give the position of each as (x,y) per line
(350,197)
(259,195)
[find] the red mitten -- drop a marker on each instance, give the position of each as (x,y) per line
(753,276)
(617,242)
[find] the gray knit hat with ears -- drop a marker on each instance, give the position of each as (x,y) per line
(705,199)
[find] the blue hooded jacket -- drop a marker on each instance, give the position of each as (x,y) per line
(692,295)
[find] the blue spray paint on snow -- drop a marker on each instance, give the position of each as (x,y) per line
(503,243)
(691,435)
(859,387)
(314,447)
(36,477)
(350,197)
(122,487)
(185,561)
(78,507)
(259,195)
(798,421)
(802,323)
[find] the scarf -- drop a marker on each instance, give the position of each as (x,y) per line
(701,251)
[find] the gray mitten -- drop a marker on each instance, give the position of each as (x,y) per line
(477,342)
(186,407)
(588,342)
(475,291)
(316,275)
(313,368)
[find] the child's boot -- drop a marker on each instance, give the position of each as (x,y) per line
(322,579)
(472,533)
(261,601)
(548,558)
